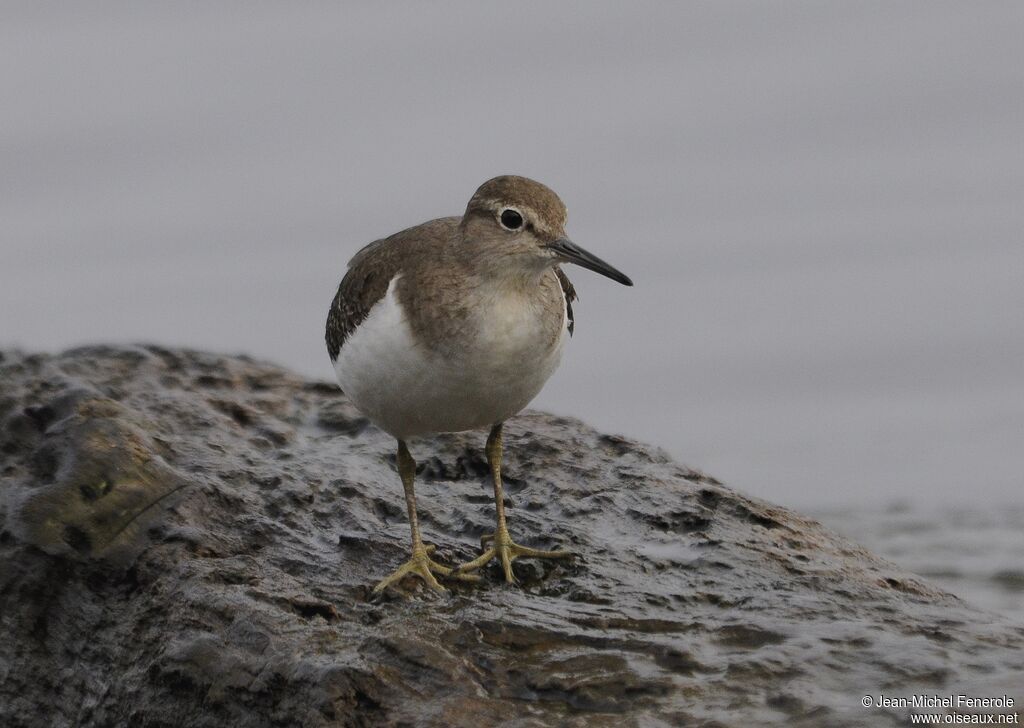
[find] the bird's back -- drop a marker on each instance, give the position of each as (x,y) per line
(371,270)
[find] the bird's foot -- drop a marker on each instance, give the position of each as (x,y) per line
(502,547)
(424,567)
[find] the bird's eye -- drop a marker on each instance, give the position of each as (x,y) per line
(510,219)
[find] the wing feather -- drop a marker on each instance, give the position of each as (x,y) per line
(570,295)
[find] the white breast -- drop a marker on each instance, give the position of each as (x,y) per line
(407,389)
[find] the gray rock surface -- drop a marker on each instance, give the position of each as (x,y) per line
(191,539)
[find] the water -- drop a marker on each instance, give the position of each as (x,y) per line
(820,205)
(975,553)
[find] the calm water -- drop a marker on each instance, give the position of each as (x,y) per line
(820,205)
(975,553)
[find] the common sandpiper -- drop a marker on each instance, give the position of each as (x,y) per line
(455,325)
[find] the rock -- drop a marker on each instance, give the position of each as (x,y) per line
(191,539)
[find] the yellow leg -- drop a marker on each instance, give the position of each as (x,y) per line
(502,546)
(420,564)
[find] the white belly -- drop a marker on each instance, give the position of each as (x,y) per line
(407,390)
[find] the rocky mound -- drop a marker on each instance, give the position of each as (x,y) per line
(191,539)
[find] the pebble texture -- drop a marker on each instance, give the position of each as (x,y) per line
(191,539)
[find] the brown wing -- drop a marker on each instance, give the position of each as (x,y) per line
(570,295)
(370,272)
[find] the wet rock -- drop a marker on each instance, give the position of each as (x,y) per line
(191,539)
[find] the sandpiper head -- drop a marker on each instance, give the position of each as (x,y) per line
(524,221)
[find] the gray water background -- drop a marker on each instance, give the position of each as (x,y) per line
(820,203)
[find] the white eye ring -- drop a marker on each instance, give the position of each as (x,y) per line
(508,223)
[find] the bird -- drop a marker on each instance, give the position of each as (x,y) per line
(455,325)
